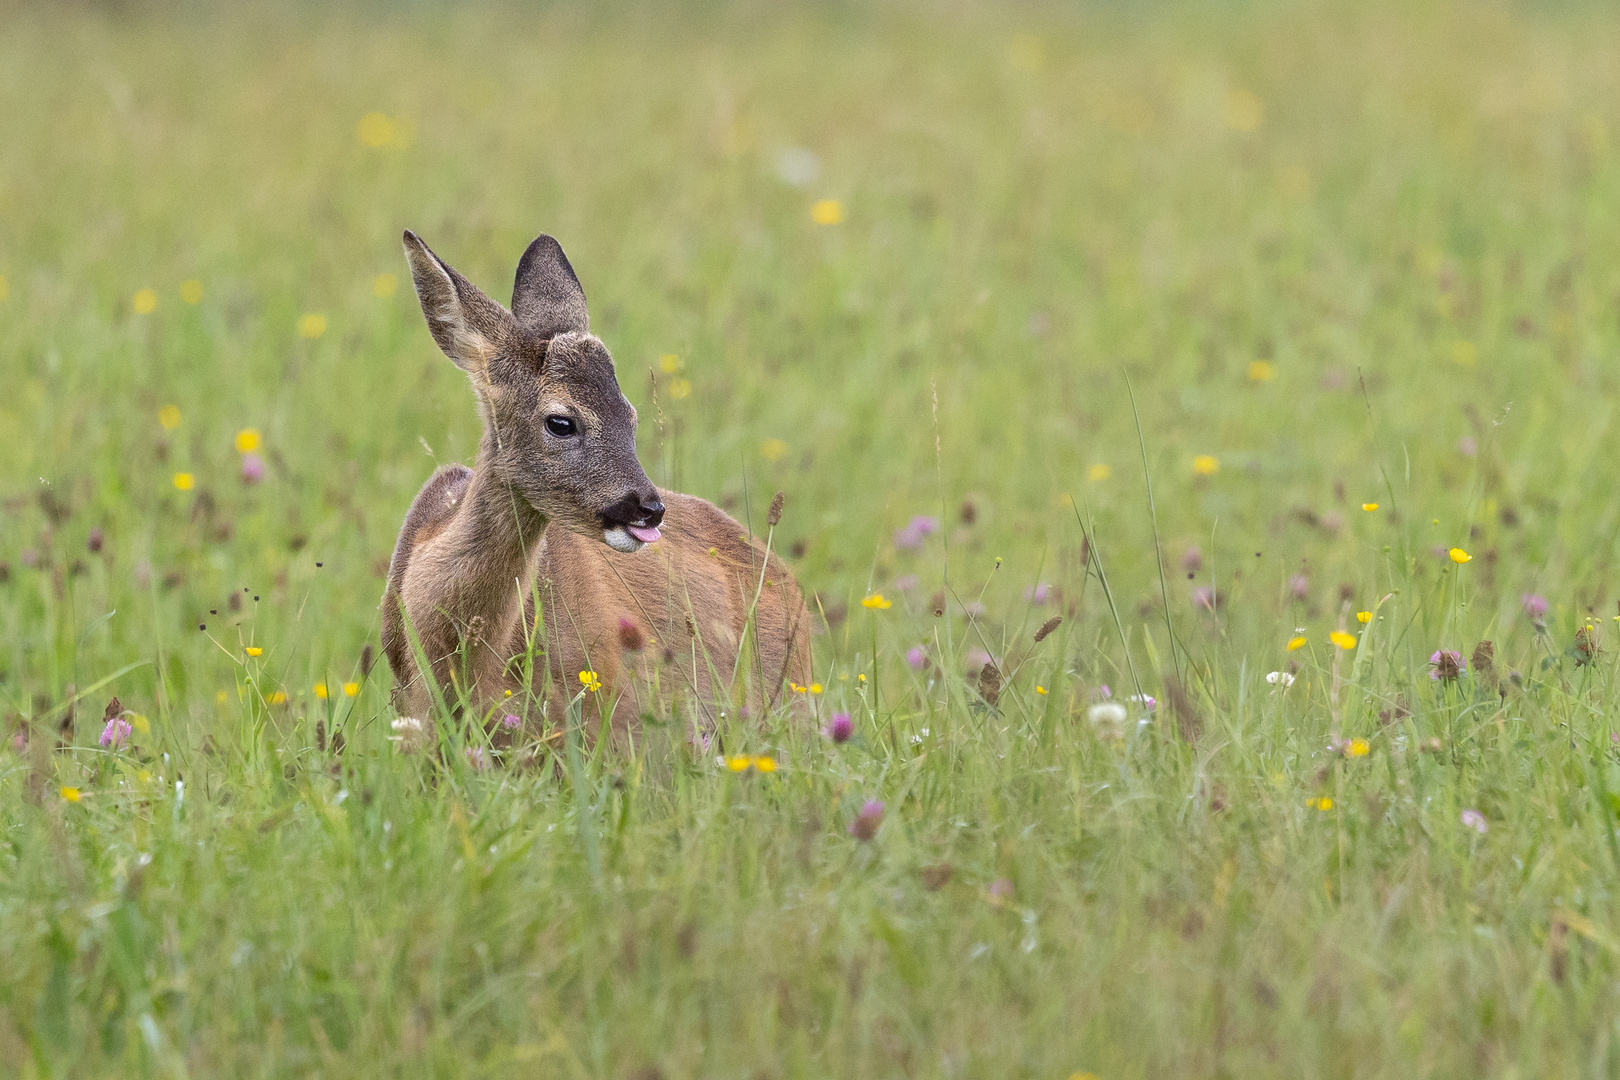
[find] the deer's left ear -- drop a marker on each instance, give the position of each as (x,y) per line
(547,299)
(466,323)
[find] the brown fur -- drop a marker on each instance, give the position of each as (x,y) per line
(719,624)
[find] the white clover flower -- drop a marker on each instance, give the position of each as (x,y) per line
(1280,678)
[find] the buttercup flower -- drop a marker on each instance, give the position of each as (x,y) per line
(827,212)
(1357,748)
(590,681)
(876,602)
(1296,642)
(247,440)
(1323,802)
(1369,507)
(1363,616)
(1343,639)
(1205,465)
(184,481)
(253,650)
(1458,555)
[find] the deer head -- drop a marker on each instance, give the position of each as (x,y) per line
(557,430)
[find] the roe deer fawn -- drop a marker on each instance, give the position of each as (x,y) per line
(652,591)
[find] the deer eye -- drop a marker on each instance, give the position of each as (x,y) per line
(560,426)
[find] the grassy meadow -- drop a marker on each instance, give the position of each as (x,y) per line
(1342,281)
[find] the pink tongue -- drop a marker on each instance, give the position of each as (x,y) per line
(646,536)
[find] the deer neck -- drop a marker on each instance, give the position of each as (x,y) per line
(492,544)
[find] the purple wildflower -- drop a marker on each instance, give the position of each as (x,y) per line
(475,757)
(1192,560)
(917,657)
(1147,701)
(1299,586)
(865,825)
(116,733)
(252,468)
(1446,664)
(1475,820)
(1535,605)
(840,727)
(1102,693)
(1468,446)
(509,721)
(1001,890)
(1204,597)
(1038,593)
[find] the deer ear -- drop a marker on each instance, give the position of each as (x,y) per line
(547,298)
(464,321)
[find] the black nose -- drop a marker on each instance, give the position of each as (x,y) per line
(634,510)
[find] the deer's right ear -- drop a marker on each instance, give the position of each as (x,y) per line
(464,321)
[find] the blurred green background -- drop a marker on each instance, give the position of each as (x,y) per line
(893,260)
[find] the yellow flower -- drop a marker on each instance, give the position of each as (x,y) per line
(737,763)
(145,301)
(1041,690)
(861,677)
(1363,616)
(1342,639)
(312,325)
(815,688)
(320,690)
(827,212)
(71,794)
(375,129)
(350,689)
(1206,465)
(1464,353)
(247,440)
(1244,110)
(1459,556)
(169,417)
(773,449)
(795,687)
(680,389)
(1261,371)
(765,763)
(1359,748)
(876,602)
(1099,472)
(1369,507)
(184,481)
(191,291)
(589,680)
(254,650)
(384,285)
(278,698)
(1296,643)
(221,698)
(140,723)
(1323,803)
(670,363)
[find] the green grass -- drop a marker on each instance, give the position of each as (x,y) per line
(1407,214)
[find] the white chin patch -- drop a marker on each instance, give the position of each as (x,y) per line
(619,539)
